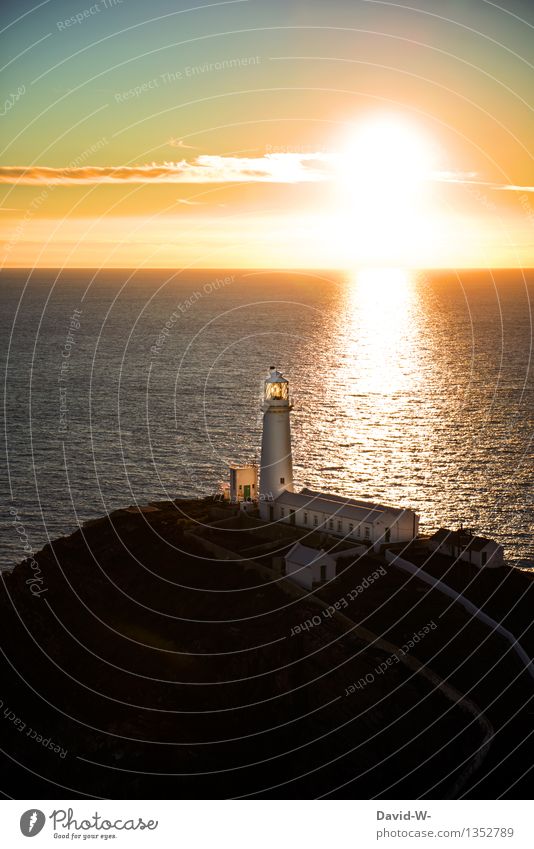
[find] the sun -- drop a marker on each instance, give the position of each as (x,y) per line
(384,170)
(389,154)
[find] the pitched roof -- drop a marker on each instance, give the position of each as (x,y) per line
(356,502)
(305,556)
(462,539)
(337,505)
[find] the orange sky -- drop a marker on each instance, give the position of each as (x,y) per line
(289,136)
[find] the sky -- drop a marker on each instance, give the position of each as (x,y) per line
(267,133)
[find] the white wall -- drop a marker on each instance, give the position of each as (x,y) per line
(264,508)
(401,529)
(307,576)
(276,465)
(301,575)
(494,554)
(323,522)
(466,604)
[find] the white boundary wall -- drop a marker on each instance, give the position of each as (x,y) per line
(466,604)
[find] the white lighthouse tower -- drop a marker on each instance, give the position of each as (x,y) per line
(276,467)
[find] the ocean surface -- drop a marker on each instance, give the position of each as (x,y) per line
(413,388)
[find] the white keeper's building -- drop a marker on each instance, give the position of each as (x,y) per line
(349,518)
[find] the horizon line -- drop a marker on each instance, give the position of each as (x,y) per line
(337,269)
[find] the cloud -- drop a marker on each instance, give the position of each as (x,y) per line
(205,169)
(180,143)
(271,168)
(511,188)
(469,179)
(454,176)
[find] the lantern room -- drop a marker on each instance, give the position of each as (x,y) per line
(276,386)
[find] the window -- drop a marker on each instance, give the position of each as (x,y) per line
(484,558)
(339,526)
(282,480)
(331,524)
(240,486)
(358,531)
(367,534)
(351,528)
(305,518)
(277,391)
(282,512)
(315,521)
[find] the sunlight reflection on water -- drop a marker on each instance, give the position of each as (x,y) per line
(409,388)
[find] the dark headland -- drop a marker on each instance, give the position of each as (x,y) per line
(162,653)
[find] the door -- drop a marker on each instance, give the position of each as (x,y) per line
(246,492)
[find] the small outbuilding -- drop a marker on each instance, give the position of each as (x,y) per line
(243,483)
(310,567)
(464,545)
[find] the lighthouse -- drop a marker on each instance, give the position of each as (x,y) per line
(276,467)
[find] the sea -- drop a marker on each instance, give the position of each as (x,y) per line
(410,388)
